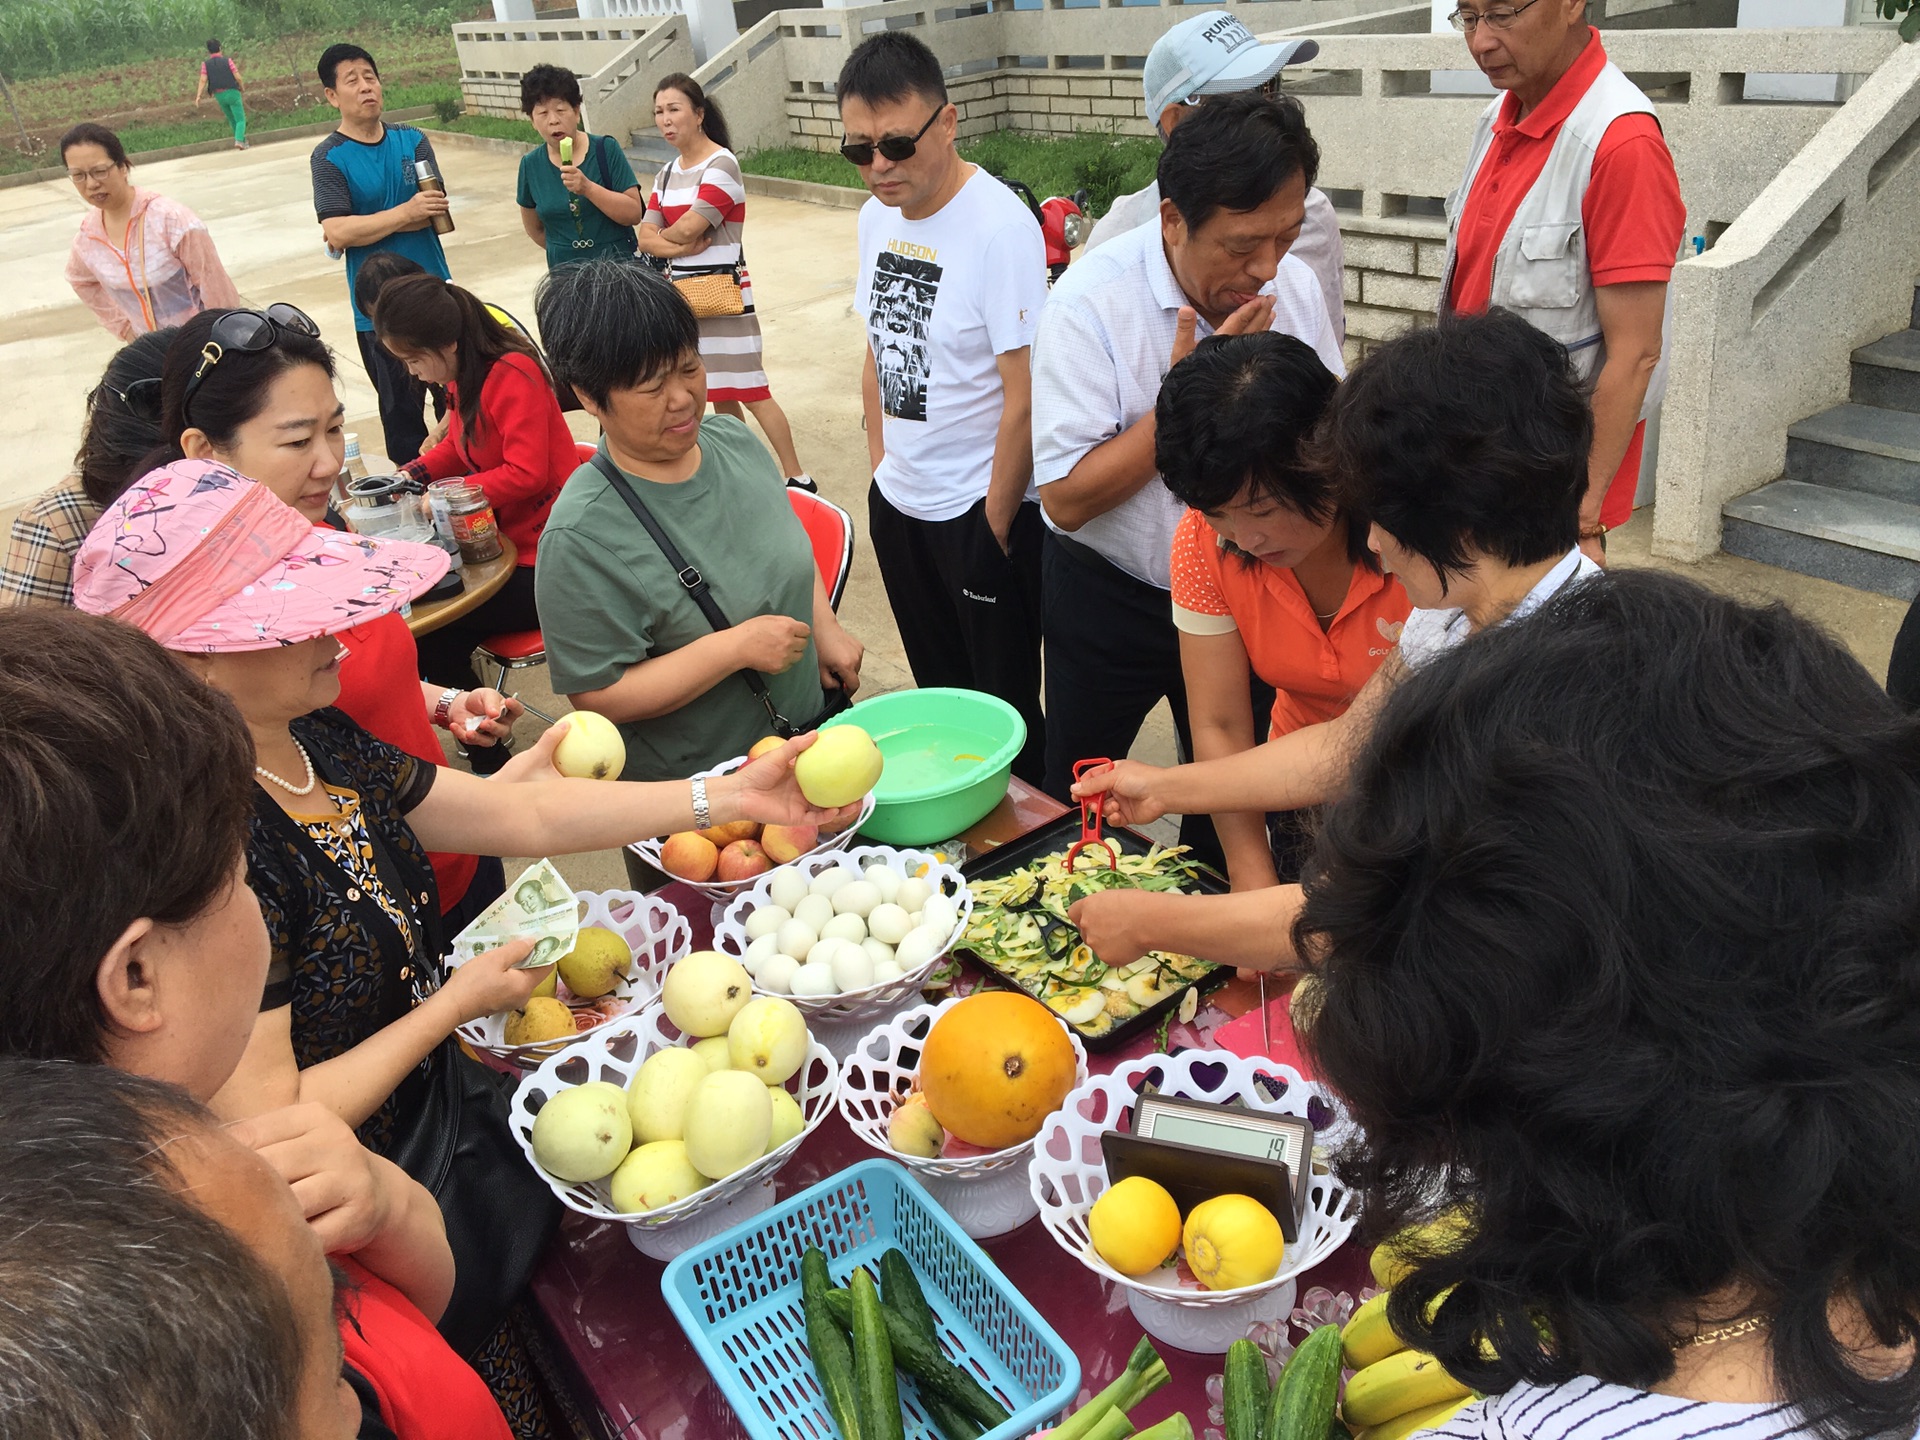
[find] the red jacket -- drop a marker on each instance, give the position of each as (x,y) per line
(522,455)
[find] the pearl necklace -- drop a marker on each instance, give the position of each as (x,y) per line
(288,785)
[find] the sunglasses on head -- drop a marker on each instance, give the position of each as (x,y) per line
(141,397)
(244,332)
(895,147)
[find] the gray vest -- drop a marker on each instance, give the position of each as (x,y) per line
(1540,272)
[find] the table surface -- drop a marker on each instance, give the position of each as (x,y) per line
(483,582)
(601,1297)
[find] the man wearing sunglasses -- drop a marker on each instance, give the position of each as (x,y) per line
(953,273)
(1570,215)
(1214,54)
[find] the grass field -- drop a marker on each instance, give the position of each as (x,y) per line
(493,127)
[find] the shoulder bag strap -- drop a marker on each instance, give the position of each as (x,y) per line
(693,582)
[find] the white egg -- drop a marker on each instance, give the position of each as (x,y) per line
(886,970)
(829,881)
(879,953)
(938,913)
(759,952)
(919,947)
(885,879)
(776,974)
(796,937)
(845,927)
(823,952)
(787,888)
(816,910)
(766,920)
(912,895)
(813,980)
(859,898)
(889,924)
(852,968)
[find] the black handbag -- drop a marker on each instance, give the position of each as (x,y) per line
(695,584)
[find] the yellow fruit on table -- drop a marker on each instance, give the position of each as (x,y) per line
(713,1050)
(655,1174)
(1134,1225)
(728,1123)
(912,1130)
(1410,1380)
(1427,1417)
(591,749)
(838,768)
(994,1067)
(544,1019)
(1367,1336)
(1390,1266)
(788,1118)
(583,1133)
(768,1039)
(704,991)
(1231,1241)
(658,1094)
(595,964)
(544,990)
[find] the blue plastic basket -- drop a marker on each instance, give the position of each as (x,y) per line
(738,1298)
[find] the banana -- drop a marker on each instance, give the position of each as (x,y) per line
(1442,1233)
(1410,1380)
(1367,1336)
(1427,1417)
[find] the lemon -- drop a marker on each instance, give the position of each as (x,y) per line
(1135,1225)
(1231,1241)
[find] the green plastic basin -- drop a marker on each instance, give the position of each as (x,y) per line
(948,754)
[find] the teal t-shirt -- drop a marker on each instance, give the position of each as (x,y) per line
(576,228)
(609,599)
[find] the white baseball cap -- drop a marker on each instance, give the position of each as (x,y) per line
(1213,54)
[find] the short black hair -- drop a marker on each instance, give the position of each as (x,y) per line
(612,325)
(1234,153)
(548,82)
(334,56)
(213,47)
(119,435)
(1463,438)
(1235,413)
(1616,933)
(891,66)
(88,133)
(375,271)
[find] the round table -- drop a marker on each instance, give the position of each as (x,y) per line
(483,582)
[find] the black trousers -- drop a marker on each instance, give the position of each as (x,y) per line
(1112,655)
(446,654)
(402,400)
(1903,667)
(968,612)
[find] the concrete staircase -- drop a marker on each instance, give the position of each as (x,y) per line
(1848,506)
(648,152)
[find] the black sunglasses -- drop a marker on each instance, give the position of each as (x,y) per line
(895,147)
(141,398)
(244,332)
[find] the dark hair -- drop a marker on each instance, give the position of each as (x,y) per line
(232,392)
(712,122)
(118,436)
(1616,933)
(213,47)
(612,325)
(424,312)
(1234,153)
(548,82)
(88,133)
(375,271)
(1235,413)
(1467,436)
(334,56)
(891,66)
(128,785)
(130,1311)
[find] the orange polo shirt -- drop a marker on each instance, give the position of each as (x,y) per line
(1315,674)
(1632,213)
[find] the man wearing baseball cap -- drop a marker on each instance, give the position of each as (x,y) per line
(1214,54)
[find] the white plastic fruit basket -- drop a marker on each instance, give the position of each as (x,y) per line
(655,932)
(988,1194)
(1069,1172)
(721,891)
(614,1053)
(872,1001)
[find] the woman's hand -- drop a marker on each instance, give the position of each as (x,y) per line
(535,763)
(344,1193)
(483,717)
(1116,923)
(771,644)
(765,790)
(840,655)
(1127,789)
(575,182)
(488,983)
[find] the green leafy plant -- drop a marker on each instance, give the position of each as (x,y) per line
(1909,27)
(447,107)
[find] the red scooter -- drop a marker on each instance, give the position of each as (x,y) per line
(1063,223)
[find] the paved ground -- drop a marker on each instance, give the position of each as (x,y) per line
(258,205)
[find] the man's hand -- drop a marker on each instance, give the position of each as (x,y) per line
(1000,517)
(1250,319)
(840,656)
(422,207)
(483,717)
(1183,329)
(1127,791)
(340,1186)
(771,644)
(1117,924)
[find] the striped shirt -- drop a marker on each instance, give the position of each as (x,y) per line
(1589,1409)
(715,190)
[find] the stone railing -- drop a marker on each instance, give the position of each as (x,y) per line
(608,56)
(1823,260)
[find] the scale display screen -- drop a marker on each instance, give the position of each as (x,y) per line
(1230,1130)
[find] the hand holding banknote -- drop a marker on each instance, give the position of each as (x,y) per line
(538,906)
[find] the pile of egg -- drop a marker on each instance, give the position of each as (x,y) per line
(842,932)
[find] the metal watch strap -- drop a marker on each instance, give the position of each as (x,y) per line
(702,816)
(443,707)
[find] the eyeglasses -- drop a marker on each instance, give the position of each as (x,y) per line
(244,332)
(142,398)
(97,173)
(895,147)
(1467,21)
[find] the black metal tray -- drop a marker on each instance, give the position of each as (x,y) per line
(1051,839)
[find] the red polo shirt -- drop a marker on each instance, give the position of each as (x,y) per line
(1632,212)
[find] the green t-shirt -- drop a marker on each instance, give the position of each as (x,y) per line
(608,599)
(576,229)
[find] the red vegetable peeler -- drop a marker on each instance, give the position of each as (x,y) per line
(1090,821)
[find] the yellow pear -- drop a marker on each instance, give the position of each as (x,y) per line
(655,1174)
(545,1018)
(595,964)
(839,767)
(768,1039)
(788,1118)
(591,749)
(713,1050)
(583,1133)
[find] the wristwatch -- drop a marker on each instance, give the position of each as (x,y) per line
(443,707)
(702,817)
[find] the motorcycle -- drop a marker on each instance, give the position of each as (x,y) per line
(1063,219)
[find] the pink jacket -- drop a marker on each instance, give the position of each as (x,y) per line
(168,272)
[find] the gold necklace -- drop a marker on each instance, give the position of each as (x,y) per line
(1728,1332)
(288,785)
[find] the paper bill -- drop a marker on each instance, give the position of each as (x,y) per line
(538,905)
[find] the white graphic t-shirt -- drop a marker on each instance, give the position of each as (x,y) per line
(942,298)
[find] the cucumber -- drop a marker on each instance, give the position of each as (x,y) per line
(1303,1401)
(924,1361)
(876,1392)
(1245,1396)
(827,1345)
(901,1293)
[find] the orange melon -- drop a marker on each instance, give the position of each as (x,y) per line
(994,1067)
